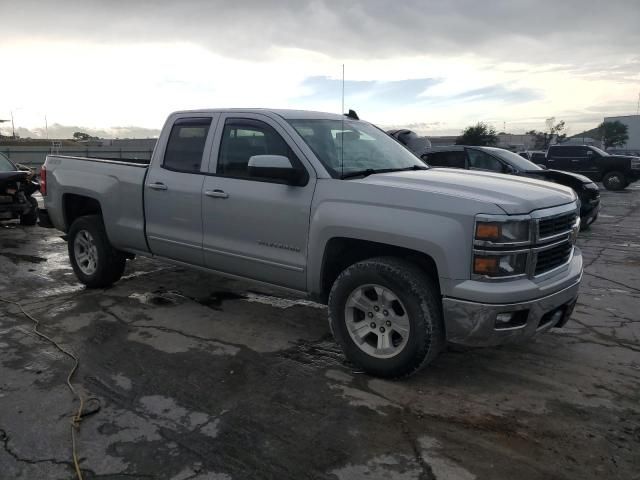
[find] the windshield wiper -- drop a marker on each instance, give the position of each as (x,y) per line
(373,171)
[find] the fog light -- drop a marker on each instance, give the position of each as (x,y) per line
(509,320)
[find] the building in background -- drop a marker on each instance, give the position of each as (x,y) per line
(633,124)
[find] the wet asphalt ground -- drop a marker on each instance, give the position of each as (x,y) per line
(201,377)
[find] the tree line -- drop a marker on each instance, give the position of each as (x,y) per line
(612,134)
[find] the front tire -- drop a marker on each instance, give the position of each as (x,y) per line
(386,315)
(95,262)
(615,181)
(31,217)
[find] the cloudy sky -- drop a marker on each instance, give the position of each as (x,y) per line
(118,67)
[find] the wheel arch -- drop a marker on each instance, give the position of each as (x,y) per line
(75,206)
(341,252)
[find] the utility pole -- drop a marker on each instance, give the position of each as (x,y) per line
(46,127)
(13,127)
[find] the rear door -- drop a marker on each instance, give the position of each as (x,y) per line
(173,190)
(564,158)
(254,227)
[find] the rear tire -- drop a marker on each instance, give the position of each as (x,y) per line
(31,218)
(615,181)
(95,262)
(386,314)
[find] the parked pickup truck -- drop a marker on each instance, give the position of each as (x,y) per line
(406,257)
(615,172)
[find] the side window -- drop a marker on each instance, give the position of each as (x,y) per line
(582,151)
(569,152)
(436,159)
(452,159)
(479,160)
(186,145)
(538,157)
(244,138)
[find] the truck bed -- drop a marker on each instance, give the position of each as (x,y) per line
(117,185)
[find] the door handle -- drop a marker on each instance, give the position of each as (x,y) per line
(217,193)
(575,159)
(157,186)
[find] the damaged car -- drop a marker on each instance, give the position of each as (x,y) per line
(17,185)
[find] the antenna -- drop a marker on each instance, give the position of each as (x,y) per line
(342,132)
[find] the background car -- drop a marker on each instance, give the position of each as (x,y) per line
(503,161)
(410,139)
(16,189)
(536,156)
(615,172)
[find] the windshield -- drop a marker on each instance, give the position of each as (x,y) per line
(347,146)
(515,160)
(600,152)
(5,164)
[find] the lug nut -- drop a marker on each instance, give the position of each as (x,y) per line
(376,308)
(385,313)
(382,329)
(388,323)
(370,314)
(373,325)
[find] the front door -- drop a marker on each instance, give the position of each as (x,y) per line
(173,192)
(254,227)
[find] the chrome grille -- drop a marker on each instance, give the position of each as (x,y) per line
(553,257)
(548,227)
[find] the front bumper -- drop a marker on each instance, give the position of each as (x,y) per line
(589,213)
(475,324)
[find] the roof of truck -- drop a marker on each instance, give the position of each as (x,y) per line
(284,113)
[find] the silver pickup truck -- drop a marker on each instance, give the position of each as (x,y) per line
(407,258)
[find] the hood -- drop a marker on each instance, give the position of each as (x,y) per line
(559,175)
(514,195)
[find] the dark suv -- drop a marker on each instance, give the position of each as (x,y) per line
(503,161)
(615,172)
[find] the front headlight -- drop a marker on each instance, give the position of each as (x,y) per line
(500,265)
(502,232)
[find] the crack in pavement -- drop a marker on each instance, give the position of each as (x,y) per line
(426,472)
(622,284)
(4,438)
(606,337)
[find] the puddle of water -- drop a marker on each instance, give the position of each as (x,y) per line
(20,257)
(278,302)
(156,299)
(50,292)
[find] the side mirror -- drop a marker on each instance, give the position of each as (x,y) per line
(589,153)
(509,169)
(275,167)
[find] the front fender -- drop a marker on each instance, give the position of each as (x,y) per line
(446,239)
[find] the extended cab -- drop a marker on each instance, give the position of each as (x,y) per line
(615,172)
(406,257)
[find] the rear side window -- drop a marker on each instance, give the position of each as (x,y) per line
(479,160)
(244,138)
(569,151)
(186,145)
